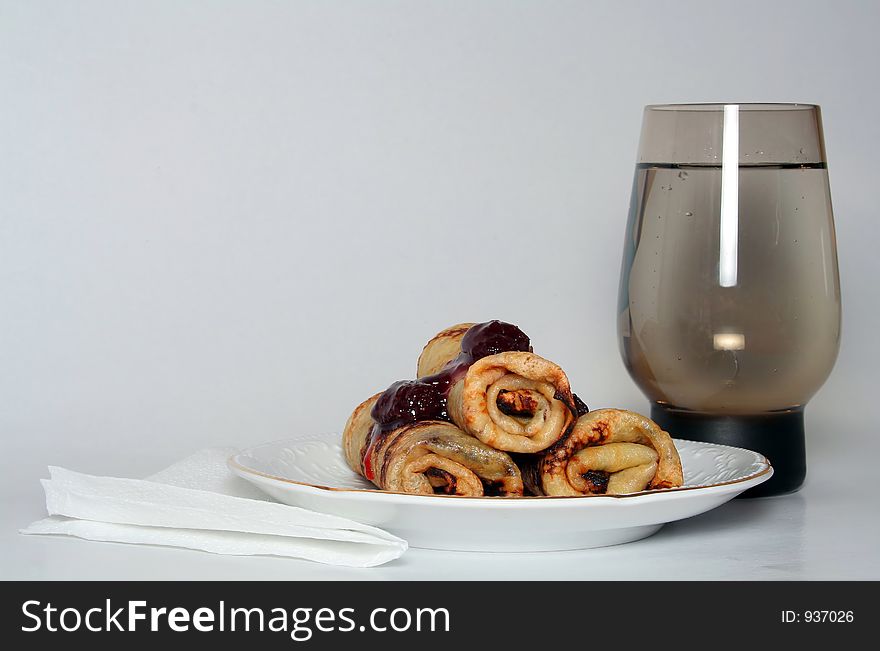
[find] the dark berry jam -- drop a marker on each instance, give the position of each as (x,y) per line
(580,406)
(409,401)
(491,338)
(368,454)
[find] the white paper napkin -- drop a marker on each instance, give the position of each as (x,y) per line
(199,504)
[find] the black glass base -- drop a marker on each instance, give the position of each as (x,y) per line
(778,436)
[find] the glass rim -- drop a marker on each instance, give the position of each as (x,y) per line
(743,106)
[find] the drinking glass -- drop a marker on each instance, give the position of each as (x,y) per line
(729,304)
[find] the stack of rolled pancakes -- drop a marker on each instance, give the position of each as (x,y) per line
(487,416)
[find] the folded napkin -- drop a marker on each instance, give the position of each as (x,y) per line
(199,504)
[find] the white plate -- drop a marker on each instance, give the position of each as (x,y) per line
(312,473)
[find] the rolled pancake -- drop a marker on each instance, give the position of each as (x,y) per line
(426,457)
(513,401)
(608,451)
(443,347)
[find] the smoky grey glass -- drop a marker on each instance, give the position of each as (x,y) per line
(729,306)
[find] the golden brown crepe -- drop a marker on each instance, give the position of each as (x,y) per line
(442,349)
(426,457)
(514,401)
(608,451)
(356,434)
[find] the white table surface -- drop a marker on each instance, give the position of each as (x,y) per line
(828,530)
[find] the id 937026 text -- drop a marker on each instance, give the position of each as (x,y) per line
(817,616)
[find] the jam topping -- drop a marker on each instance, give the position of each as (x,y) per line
(368,455)
(580,406)
(409,401)
(491,338)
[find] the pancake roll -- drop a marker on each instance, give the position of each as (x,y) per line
(608,451)
(497,389)
(426,457)
(513,401)
(443,348)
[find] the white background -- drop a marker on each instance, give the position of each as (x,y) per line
(223,223)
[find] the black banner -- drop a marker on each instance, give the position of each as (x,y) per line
(539,615)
